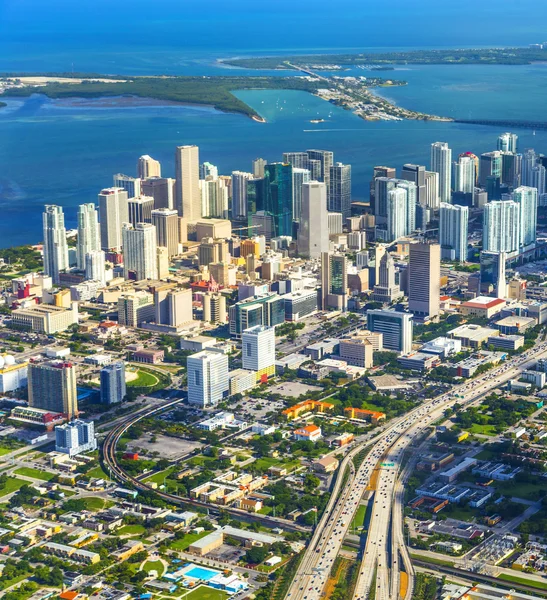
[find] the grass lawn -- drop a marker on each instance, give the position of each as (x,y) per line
(204,592)
(359,519)
(486,454)
(35,473)
(9,446)
(462,513)
(523,581)
(144,379)
(94,503)
(153,565)
(519,489)
(98,473)
(12,485)
(199,461)
(161,476)
(266,462)
(432,560)
(188,539)
(265,510)
(482,429)
(131,530)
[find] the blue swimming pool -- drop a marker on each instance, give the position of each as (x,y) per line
(201,573)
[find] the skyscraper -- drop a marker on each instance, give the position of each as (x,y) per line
(95,266)
(148,167)
(207,169)
(395,327)
(529,161)
(313,234)
(464,174)
(162,189)
(379,171)
(214,197)
(424,280)
(55,246)
(326,160)
(397,204)
(538,179)
(173,306)
(258,351)
(339,195)
(416,174)
(299,160)
(492,273)
(88,232)
(501,226)
(453,229)
(132,185)
(187,195)
(334,281)
(507,142)
(113,387)
(441,163)
(527,198)
(278,203)
(52,386)
(139,251)
(140,209)
(386,290)
(166,222)
(258,167)
(432,199)
(490,166)
(113,211)
(75,437)
(208,378)
(239,194)
(299,177)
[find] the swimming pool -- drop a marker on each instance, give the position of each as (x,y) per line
(201,573)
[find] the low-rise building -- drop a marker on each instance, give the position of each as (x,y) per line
(325,465)
(468,367)
(363,414)
(309,433)
(307,406)
(506,342)
(514,325)
(482,306)
(322,349)
(418,361)
(472,336)
(496,471)
(442,346)
(151,357)
(45,318)
(451,474)
(241,380)
(357,351)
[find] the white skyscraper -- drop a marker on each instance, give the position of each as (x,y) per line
(148,167)
(441,161)
(299,177)
(501,226)
(207,169)
(396,213)
(529,161)
(239,194)
(527,198)
(507,142)
(139,251)
(55,246)
(88,232)
(538,179)
(208,378)
(187,197)
(258,351)
(214,197)
(339,189)
(464,175)
(432,190)
(453,226)
(313,234)
(113,211)
(95,266)
(411,201)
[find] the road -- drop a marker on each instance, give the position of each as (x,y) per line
(377,563)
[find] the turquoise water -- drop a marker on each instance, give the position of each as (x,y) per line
(201,573)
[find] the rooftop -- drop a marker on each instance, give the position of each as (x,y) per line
(483,302)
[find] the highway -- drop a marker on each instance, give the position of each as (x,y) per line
(379,567)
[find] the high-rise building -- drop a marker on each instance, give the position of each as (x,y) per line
(208,378)
(492,273)
(239,194)
(424,280)
(258,351)
(529,161)
(501,226)
(396,214)
(162,189)
(299,178)
(55,246)
(490,166)
(299,160)
(148,167)
(162,261)
(507,142)
(416,174)
(339,194)
(313,234)
(173,306)
(88,232)
(386,290)
(135,308)
(207,169)
(464,174)
(527,198)
(214,308)
(379,171)
(453,230)
(441,163)
(214,197)
(264,309)
(113,212)
(258,167)
(432,199)
(140,209)
(256,197)
(75,437)
(132,185)
(278,202)
(113,388)
(166,222)
(326,160)
(212,251)
(538,179)
(139,251)
(187,196)
(395,327)
(95,269)
(52,386)
(334,280)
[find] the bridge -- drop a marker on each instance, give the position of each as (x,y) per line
(515,124)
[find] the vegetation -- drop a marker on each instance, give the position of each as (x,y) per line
(21,258)
(425,587)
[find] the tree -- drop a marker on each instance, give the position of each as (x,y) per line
(256,555)
(311,482)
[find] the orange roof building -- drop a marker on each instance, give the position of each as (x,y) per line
(307,406)
(309,433)
(364,415)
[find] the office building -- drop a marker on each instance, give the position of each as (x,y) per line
(538,179)
(214,308)
(45,318)
(265,309)
(140,209)
(52,386)
(212,251)
(416,174)
(313,233)
(379,171)
(166,222)
(95,269)
(278,201)
(208,378)
(113,388)
(424,280)
(299,160)
(300,304)
(187,194)
(258,351)
(256,197)
(139,251)
(88,233)
(395,327)
(490,165)
(453,231)
(55,246)
(325,160)
(441,163)
(113,212)
(507,142)
(13,375)
(299,178)
(207,169)
(75,437)
(132,185)
(527,198)
(339,194)
(135,308)
(148,167)
(464,174)
(239,194)
(334,281)
(386,290)
(162,189)
(501,226)
(492,273)
(335,223)
(173,306)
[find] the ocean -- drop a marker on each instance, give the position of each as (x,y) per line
(65,152)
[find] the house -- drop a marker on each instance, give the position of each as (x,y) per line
(309,433)
(326,465)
